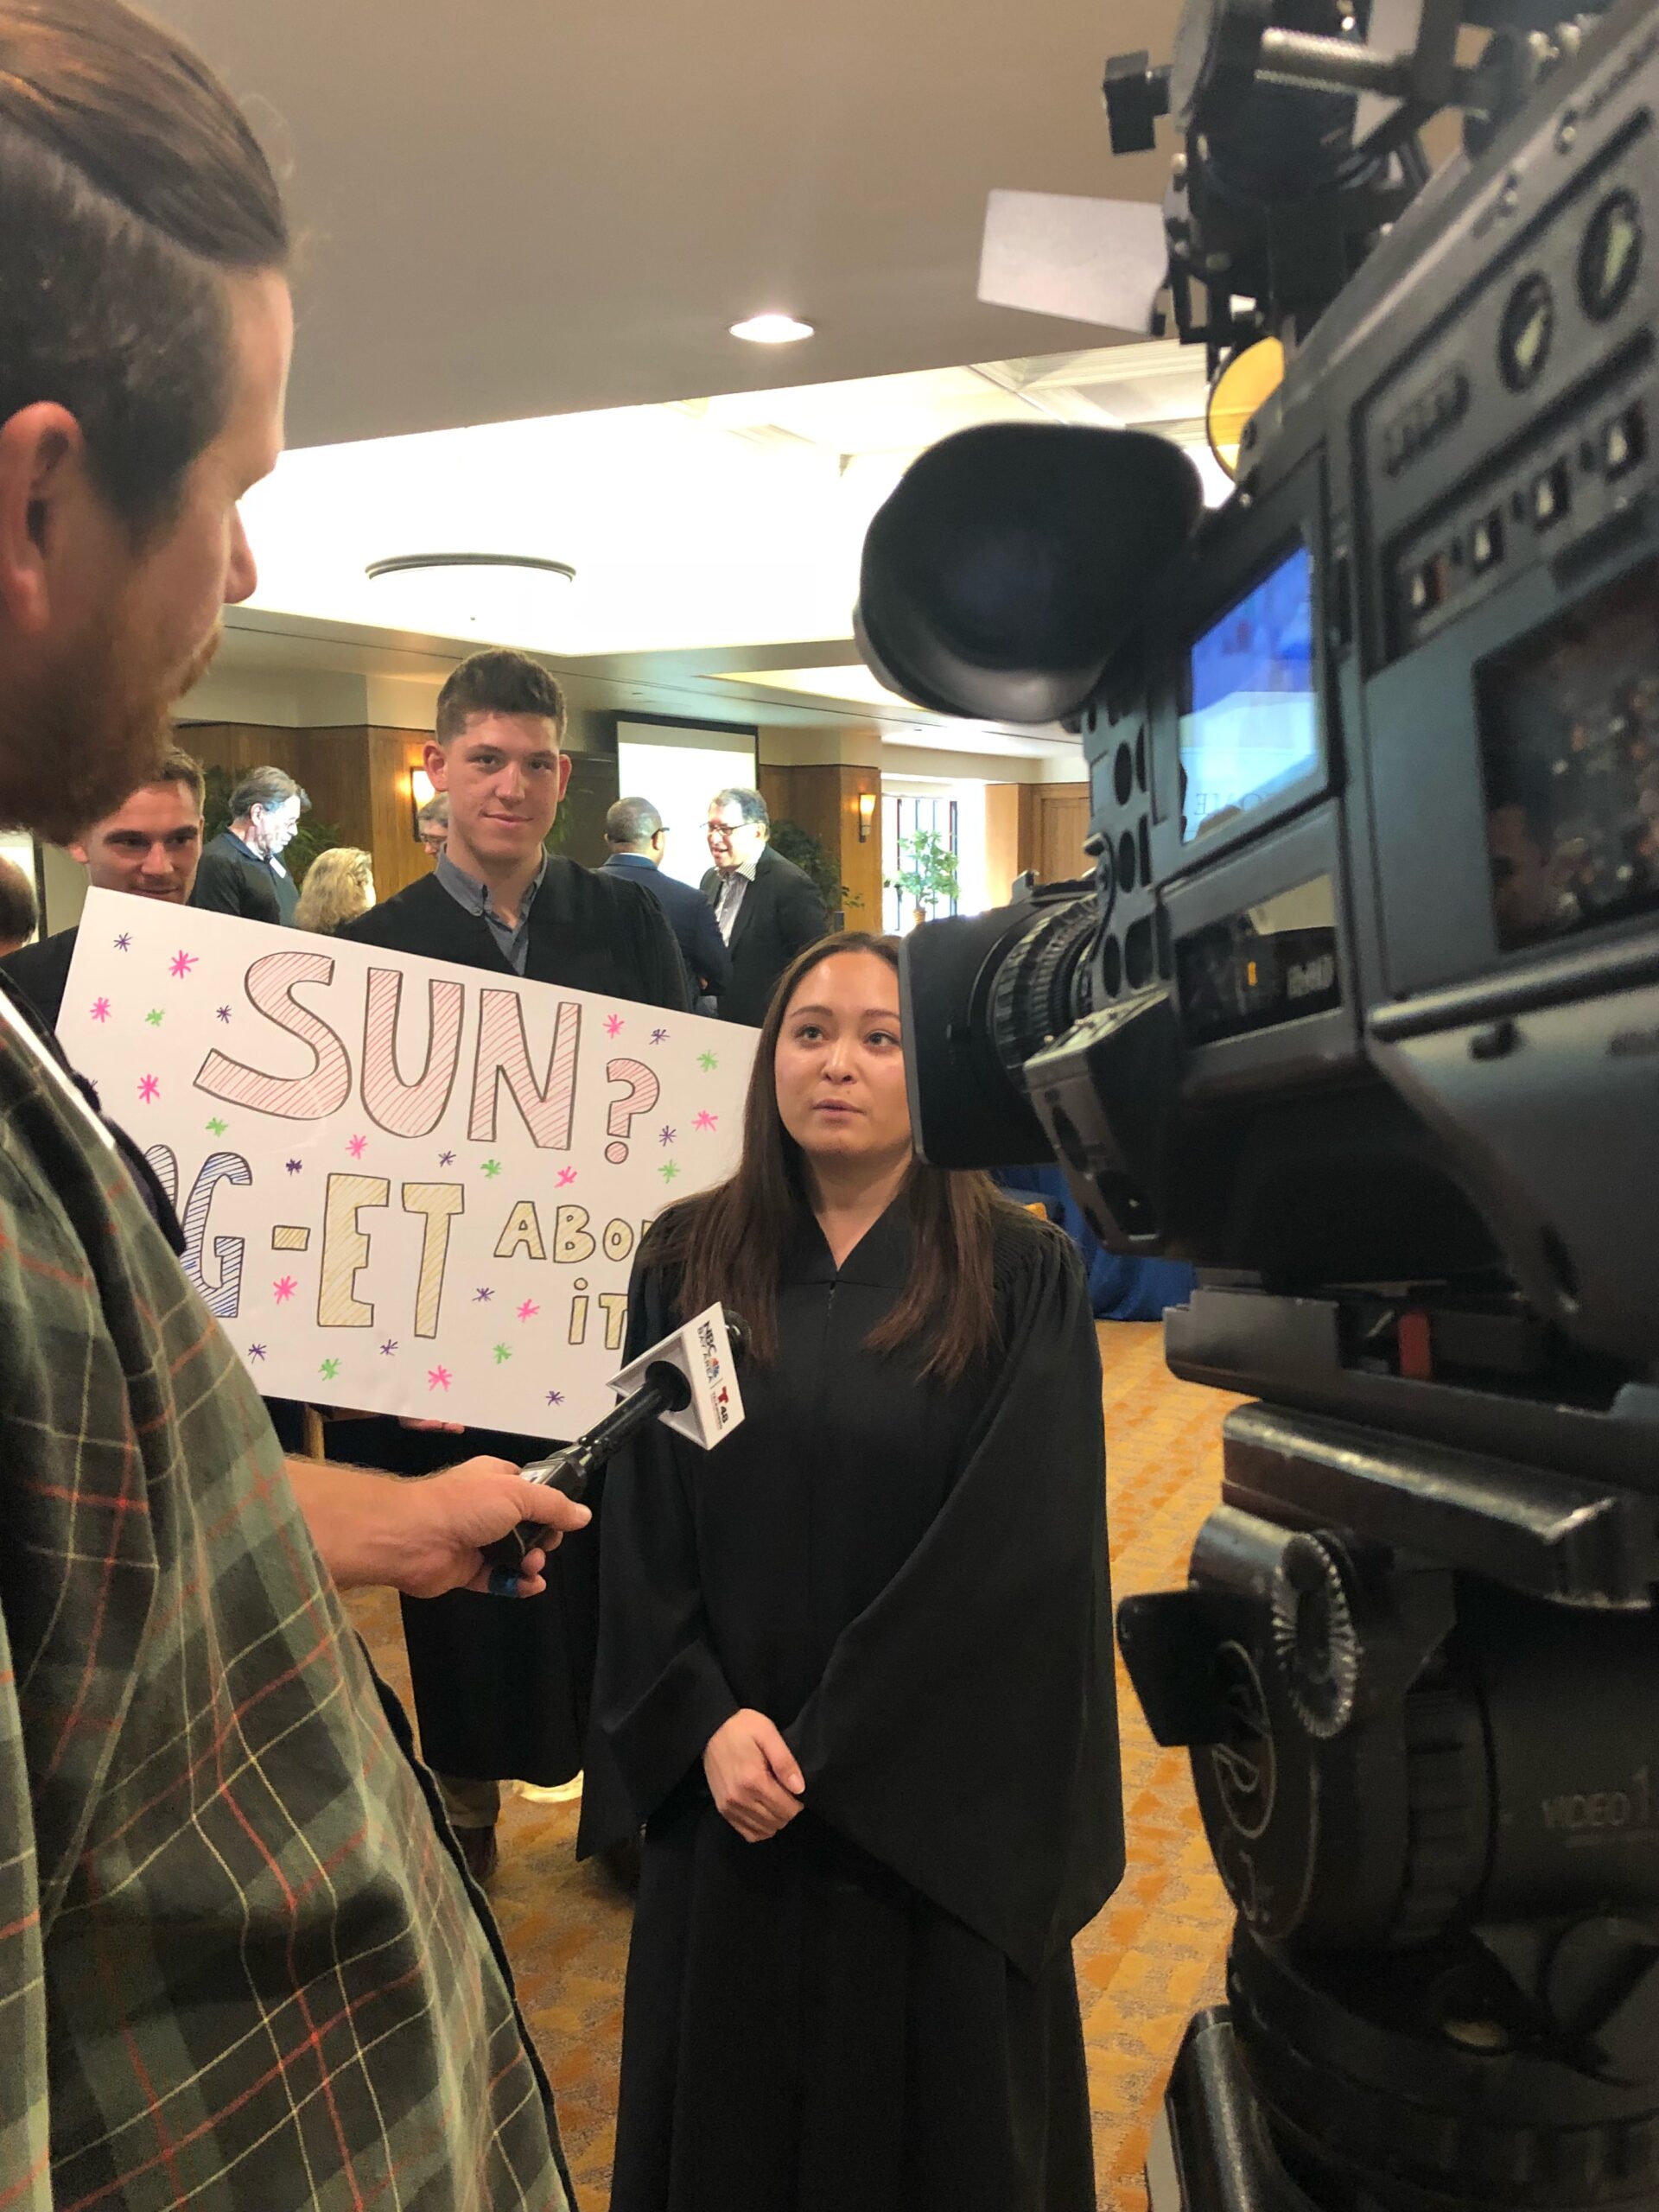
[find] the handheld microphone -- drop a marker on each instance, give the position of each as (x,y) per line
(686,1380)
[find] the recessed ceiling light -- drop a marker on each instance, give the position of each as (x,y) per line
(771,330)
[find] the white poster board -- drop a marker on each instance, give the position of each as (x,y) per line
(407,1187)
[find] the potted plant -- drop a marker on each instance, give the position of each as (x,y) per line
(927,873)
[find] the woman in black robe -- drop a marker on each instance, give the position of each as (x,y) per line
(855,1669)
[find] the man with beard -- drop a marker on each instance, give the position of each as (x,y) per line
(503,1692)
(239,1956)
(149,848)
(242,871)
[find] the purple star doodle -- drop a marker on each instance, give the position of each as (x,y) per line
(255,1351)
(389,1347)
(293,1167)
(483,1294)
(556,1397)
(223,1012)
(446,1159)
(659,1036)
(666,1136)
(124,943)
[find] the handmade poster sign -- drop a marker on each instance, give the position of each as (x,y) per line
(407,1187)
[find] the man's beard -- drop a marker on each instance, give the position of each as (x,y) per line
(77,744)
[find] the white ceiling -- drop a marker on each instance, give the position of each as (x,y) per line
(514,209)
(724,521)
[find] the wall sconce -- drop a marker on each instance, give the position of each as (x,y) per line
(867,804)
(420,790)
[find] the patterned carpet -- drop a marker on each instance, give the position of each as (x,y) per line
(1149,1960)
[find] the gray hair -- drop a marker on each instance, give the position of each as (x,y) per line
(749,804)
(436,809)
(18,915)
(267,787)
(632,821)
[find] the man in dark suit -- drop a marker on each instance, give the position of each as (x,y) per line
(634,832)
(503,1690)
(149,848)
(241,871)
(767,909)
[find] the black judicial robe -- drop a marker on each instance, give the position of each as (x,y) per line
(876,2009)
(501,1685)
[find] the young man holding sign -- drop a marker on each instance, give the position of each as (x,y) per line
(503,1692)
(238,1961)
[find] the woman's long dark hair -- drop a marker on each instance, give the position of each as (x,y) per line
(729,1243)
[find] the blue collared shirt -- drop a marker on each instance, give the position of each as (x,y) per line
(468,891)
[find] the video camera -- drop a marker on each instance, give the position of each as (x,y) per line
(1359,1011)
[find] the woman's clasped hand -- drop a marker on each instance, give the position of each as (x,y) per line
(752,1776)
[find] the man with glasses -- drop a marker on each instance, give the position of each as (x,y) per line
(433,825)
(767,909)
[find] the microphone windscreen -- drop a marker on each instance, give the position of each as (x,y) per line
(1010,560)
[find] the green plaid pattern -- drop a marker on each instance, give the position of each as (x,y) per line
(239,1964)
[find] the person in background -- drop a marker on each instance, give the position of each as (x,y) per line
(502,1691)
(432,825)
(19,916)
(768,910)
(240,1960)
(149,848)
(634,832)
(856,1668)
(1121,1287)
(339,886)
(241,871)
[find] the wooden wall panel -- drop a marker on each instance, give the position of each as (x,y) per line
(823,801)
(1062,824)
(399,860)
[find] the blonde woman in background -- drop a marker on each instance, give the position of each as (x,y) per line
(339,886)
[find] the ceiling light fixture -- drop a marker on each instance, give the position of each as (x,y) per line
(507,598)
(771,330)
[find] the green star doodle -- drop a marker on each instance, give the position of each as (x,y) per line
(492,1169)
(707,1063)
(668,1171)
(218,1126)
(155,1017)
(330,1368)
(501,1353)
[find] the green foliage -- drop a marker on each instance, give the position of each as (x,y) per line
(311,837)
(791,842)
(927,871)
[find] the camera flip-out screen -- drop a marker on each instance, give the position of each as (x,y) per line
(1250,731)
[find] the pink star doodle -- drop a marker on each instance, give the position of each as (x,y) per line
(528,1310)
(438,1378)
(183,962)
(148,1089)
(566,1175)
(355,1147)
(705,1120)
(100,1009)
(282,1291)
(613,1025)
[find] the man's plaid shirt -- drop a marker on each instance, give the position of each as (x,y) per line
(240,1966)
